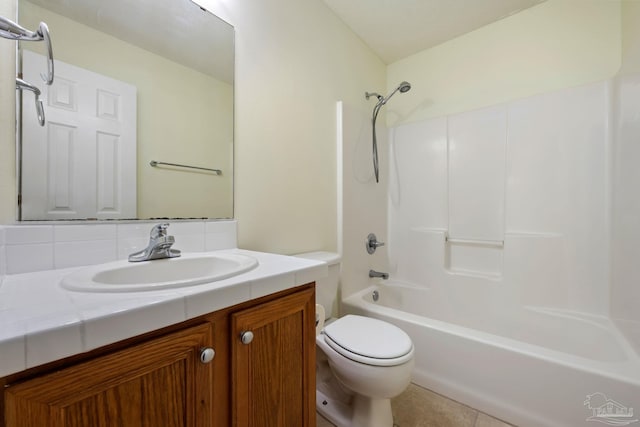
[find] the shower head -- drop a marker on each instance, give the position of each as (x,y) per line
(402,87)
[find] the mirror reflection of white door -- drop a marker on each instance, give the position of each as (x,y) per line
(82,162)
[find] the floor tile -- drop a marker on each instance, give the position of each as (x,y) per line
(485,420)
(419,407)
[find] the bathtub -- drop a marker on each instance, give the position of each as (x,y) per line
(532,366)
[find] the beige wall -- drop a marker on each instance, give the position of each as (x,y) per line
(190,124)
(294,60)
(557,44)
(630,36)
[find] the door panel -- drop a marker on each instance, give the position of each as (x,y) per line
(82,163)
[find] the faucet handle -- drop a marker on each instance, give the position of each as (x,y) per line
(159,230)
(372,243)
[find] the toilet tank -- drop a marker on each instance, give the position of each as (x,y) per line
(327,287)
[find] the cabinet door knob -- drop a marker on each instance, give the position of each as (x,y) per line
(207,355)
(246,337)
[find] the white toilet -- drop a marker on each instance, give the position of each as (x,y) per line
(361,362)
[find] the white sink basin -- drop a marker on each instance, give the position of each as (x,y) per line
(187,270)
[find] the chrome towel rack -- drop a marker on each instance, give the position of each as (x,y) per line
(22,85)
(155,163)
(11,30)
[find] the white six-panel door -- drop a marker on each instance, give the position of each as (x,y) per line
(82,163)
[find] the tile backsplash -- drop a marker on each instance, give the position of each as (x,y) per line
(27,248)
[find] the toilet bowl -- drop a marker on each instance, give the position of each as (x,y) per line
(373,360)
(361,362)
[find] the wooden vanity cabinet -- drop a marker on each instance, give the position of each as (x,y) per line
(156,383)
(159,380)
(273,363)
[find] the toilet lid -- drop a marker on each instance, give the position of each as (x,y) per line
(368,337)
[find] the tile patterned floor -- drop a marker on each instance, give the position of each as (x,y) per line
(419,407)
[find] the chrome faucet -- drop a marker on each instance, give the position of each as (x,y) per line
(159,246)
(373,273)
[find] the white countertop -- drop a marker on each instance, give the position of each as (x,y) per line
(41,322)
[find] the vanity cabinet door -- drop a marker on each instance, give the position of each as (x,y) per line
(273,363)
(161,382)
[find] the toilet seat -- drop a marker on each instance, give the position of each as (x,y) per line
(369,341)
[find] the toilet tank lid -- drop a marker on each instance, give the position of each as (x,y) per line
(329,257)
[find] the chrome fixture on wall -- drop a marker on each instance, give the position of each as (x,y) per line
(403,88)
(156,163)
(373,273)
(11,30)
(22,85)
(372,243)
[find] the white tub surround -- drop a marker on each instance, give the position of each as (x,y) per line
(507,204)
(41,322)
(510,245)
(625,268)
(535,368)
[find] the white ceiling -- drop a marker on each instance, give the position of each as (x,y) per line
(395,29)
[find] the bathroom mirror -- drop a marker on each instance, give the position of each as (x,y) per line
(136,82)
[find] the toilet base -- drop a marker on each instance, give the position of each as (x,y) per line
(368,412)
(333,410)
(363,411)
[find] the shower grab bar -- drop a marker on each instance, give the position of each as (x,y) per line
(477,242)
(11,30)
(155,163)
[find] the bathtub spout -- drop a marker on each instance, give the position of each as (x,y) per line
(373,273)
